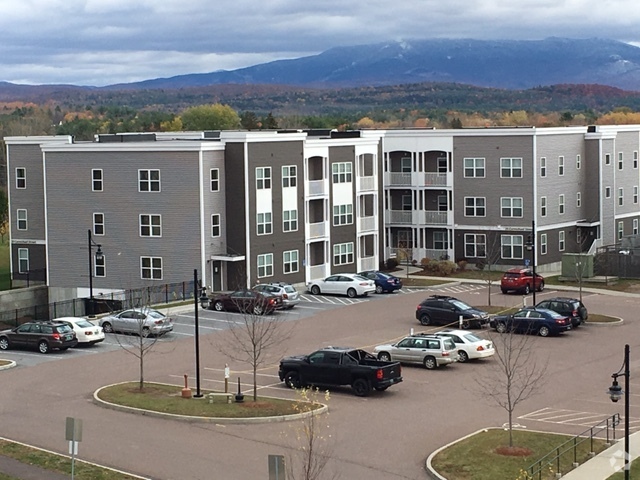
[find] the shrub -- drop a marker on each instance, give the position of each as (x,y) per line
(462,265)
(392,263)
(480,264)
(446,267)
(424,263)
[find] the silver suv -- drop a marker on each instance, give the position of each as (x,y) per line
(429,350)
(288,293)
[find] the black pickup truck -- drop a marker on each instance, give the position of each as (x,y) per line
(340,366)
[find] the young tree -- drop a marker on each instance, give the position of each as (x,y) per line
(489,255)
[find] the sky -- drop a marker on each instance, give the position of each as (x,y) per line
(104,42)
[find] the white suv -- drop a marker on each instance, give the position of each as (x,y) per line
(430,350)
(288,293)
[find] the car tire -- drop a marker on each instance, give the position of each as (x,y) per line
(4,343)
(466,324)
(384,357)
(544,331)
(430,363)
(504,290)
(218,306)
(107,327)
(379,289)
(501,327)
(292,380)
(315,290)
(527,289)
(541,286)
(258,310)
(145,332)
(463,356)
(425,319)
(43,347)
(361,387)
(351,293)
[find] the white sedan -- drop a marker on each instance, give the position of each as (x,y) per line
(86,332)
(349,284)
(469,345)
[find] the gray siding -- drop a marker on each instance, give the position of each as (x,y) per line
(607,179)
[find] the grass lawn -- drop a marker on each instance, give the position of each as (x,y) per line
(476,457)
(5,272)
(634,473)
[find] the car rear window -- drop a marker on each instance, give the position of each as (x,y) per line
(289,289)
(470,337)
(155,314)
(448,344)
(63,329)
(84,324)
(511,275)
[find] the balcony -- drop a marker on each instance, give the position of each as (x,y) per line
(317,188)
(366,183)
(416,254)
(366,224)
(317,271)
(418,179)
(417,217)
(397,178)
(317,230)
(367,263)
(435,179)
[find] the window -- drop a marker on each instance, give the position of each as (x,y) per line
(21,177)
(265,265)
(511,246)
(635,226)
(290,221)
(511,207)
(151,268)
(543,244)
(543,206)
(289,178)
(263,178)
(578,199)
(405,164)
(407,204)
(607,192)
(511,168)
(99,266)
(98,223)
(561,166)
(150,225)
(149,180)
(342,253)
(215,225)
(342,214)
(23,260)
(474,206)
(475,245)
(635,159)
(341,172)
(96,180)
(22,219)
(442,165)
(620,230)
(561,204)
(290,261)
(620,196)
(620,160)
(214,178)
(474,167)
(561,242)
(264,223)
(607,159)
(543,166)
(635,195)
(440,240)
(578,162)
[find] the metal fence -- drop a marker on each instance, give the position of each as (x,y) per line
(616,261)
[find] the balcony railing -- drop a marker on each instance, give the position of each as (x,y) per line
(417,179)
(398,178)
(368,263)
(317,187)
(366,183)
(417,217)
(435,179)
(317,271)
(317,230)
(417,254)
(400,216)
(367,223)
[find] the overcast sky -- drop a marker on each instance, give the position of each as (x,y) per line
(102,42)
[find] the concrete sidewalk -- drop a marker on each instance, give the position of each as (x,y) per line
(608,462)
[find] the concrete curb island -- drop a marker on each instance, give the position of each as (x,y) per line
(10,364)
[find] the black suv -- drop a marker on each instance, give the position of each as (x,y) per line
(570,307)
(444,310)
(45,336)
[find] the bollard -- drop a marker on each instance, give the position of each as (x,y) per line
(239,395)
(210,397)
(226,378)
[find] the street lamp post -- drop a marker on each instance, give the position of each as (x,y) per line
(531,246)
(615,392)
(99,256)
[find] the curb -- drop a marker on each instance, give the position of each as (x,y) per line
(194,419)
(617,323)
(11,364)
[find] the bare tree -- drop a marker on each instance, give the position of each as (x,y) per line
(489,256)
(515,375)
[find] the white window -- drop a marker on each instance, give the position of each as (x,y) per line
(98,223)
(21,177)
(149,180)
(543,244)
(635,159)
(578,162)
(474,167)
(265,265)
(620,196)
(474,206)
(561,166)
(342,172)
(99,266)
(290,261)
(511,207)
(214,178)
(475,245)
(289,178)
(263,178)
(442,165)
(543,166)
(561,242)
(635,194)
(23,260)
(150,225)
(21,218)
(607,192)
(264,223)
(543,206)
(607,159)
(215,225)
(405,165)
(342,214)
(511,167)
(578,199)
(561,204)
(620,160)
(440,240)
(290,221)
(407,203)
(343,253)
(620,230)
(96,180)
(511,246)
(635,226)
(151,268)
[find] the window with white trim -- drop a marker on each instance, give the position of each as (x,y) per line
(475,206)
(511,207)
(543,166)
(511,168)
(440,240)
(543,244)
(150,225)
(96,180)
(561,240)
(474,167)
(99,266)
(512,246)
(214,179)
(289,176)
(635,195)
(215,225)
(560,166)
(264,223)
(98,223)
(578,162)
(21,219)
(23,260)
(620,196)
(561,204)
(148,180)
(620,160)
(543,206)
(290,262)
(607,159)
(405,165)
(475,245)
(21,177)
(607,192)
(578,199)
(265,265)
(635,159)
(635,226)
(290,221)
(342,214)
(407,203)
(151,268)
(342,253)
(620,230)
(342,172)
(263,178)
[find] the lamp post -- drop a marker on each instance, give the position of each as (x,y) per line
(531,246)
(197,297)
(99,256)
(615,393)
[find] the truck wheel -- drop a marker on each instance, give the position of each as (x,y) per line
(361,387)
(292,380)
(430,363)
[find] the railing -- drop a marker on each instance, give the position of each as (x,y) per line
(435,179)
(401,216)
(317,271)
(317,187)
(552,459)
(317,230)
(367,183)
(398,178)
(368,263)
(418,217)
(367,223)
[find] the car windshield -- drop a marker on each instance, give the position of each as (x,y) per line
(83,324)
(155,314)
(461,305)
(470,337)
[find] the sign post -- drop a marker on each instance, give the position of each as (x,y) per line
(73,433)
